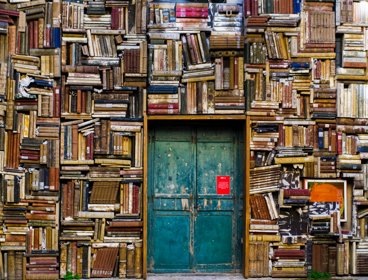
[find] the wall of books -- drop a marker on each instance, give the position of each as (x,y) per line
(72,80)
(306,86)
(79,79)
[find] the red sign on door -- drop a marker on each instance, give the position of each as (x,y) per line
(223,184)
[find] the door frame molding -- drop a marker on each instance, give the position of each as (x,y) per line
(243,123)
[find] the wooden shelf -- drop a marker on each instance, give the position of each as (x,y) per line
(195,117)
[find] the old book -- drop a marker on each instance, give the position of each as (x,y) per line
(122,260)
(104,192)
(130,260)
(138,269)
(104,263)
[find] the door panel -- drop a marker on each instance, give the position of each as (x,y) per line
(169,197)
(191,227)
(213,241)
(172,239)
(173,175)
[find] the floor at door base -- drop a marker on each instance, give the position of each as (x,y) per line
(226,276)
(196,276)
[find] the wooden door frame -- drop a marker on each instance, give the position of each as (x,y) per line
(245,123)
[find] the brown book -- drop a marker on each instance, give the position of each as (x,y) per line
(258,259)
(104,264)
(74,147)
(122,260)
(11,265)
(104,192)
(138,268)
(77,194)
(2,270)
(12,31)
(130,260)
(19,265)
(190,46)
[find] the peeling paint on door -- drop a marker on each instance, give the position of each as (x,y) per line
(192,228)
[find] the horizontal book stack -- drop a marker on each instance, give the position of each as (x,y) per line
(191,15)
(288,260)
(178,16)
(163,98)
(133,66)
(360,255)
(198,75)
(294,197)
(259,7)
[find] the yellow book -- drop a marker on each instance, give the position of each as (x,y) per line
(25,126)
(286,160)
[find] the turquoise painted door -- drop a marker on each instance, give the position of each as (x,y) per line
(193,228)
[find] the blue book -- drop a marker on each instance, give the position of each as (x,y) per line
(363,149)
(42,83)
(299,65)
(296,6)
(56,37)
(320,138)
(163,89)
(328,158)
(65,142)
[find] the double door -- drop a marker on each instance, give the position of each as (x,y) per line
(195,198)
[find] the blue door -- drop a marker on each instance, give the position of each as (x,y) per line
(195,198)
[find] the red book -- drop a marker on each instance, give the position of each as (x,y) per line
(9,12)
(296,192)
(54,178)
(254,7)
(135,209)
(35,34)
(74,142)
(79,101)
(339,143)
(163,111)
(91,136)
(164,106)
(191,9)
(292,254)
(114,18)
(185,14)
(56,104)
(30,32)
